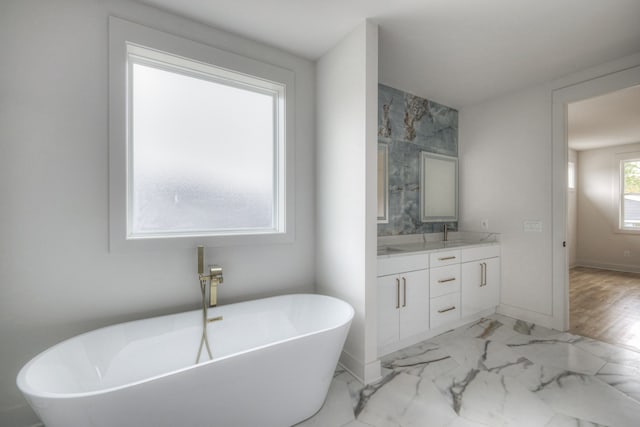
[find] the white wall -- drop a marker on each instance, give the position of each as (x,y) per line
(346,152)
(57,278)
(506,168)
(505,177)
(600,244)
(572,213)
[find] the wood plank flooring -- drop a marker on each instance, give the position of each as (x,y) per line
(605,305)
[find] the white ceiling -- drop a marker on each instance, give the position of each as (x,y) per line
(456,52)
(604,121)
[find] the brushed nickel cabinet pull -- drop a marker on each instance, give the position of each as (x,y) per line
(484,277)
(483,274)
(444,310)
(451,279)
(397,293)
(446,258)
(404,291)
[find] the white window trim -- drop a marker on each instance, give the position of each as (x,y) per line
(123,34)
(618,187)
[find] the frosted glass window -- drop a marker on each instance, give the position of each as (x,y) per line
(203,151)
(201,144)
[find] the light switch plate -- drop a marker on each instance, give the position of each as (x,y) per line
(532,226)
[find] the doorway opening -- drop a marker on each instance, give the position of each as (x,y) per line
(562,97)
(602,198)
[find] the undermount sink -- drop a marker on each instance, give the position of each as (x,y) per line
(422,246)
(386,250)
(410,247)
(455,243)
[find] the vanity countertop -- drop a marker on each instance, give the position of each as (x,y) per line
(399,249)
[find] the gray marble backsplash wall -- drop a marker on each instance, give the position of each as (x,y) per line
(409,125)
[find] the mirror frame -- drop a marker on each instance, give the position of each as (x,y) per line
(383,154)
(424,159)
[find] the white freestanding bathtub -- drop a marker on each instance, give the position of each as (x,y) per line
(273,362)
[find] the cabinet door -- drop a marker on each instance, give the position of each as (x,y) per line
(414,304)
(388,314)
(480,285)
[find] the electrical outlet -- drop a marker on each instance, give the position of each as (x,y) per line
(484,224)
(627,253)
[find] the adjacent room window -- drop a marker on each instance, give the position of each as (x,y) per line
(630,194)
(571,179)
(199,142)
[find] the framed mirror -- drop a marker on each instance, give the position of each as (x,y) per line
(383,183)
(439,188)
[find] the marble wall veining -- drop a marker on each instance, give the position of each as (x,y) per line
(409,124)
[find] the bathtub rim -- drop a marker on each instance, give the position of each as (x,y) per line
(29,392)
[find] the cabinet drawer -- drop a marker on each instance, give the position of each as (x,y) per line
(444,280)
(480,252)
(400,264)
(439,259)
(444,309)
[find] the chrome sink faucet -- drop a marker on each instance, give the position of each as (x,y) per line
(445,232)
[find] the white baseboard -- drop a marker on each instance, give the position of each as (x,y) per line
(604,266)
(21,416)
(526,315)
(365,373)
(372,372)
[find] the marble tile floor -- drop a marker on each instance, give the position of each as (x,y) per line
(495,372)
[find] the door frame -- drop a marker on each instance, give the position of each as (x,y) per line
(561,98)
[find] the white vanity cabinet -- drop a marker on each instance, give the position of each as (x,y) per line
(403,298)
(480,272)
(422,294)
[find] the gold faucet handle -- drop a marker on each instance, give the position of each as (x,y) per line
(215,273)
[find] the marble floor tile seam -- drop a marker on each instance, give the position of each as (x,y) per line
(550,381)
(478,418)
(498,379)
(569,341)
(632,395)
(618,344)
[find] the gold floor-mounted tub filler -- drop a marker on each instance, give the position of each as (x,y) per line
(214,277)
